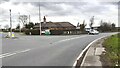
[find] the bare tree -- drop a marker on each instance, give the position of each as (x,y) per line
(23,19)
(91,22)
(30,25)
(6,26)
(104,27)
(78,24)
(101,22)
(82,26)
(113,27)
(18,26)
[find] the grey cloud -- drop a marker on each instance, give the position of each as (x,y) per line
(5,0)
(78,7)
(109,3)
(2,1)
(48,5)
(55,8)
(76,3)
(62,0)
(47,0)
(95,9)
(61,13)
(2,11)
(83,7)
(15,3)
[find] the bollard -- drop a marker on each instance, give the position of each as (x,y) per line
(13,35)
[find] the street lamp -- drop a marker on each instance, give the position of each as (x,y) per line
(10,23)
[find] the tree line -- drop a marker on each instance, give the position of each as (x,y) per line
(104,26)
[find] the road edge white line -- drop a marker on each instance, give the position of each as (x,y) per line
(91,44)
(85,50)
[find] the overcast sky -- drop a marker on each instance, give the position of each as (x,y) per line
(60,10)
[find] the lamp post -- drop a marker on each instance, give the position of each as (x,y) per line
(10,24)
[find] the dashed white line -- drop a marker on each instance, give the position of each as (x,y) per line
(16,52)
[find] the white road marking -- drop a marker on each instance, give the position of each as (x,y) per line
(10,54)
(70,39)
(91,44)
(85,50)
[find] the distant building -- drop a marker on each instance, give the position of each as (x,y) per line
(118,29)
(56,27)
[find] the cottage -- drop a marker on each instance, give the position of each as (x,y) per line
(55,27)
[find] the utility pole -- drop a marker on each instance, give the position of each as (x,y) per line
(19,21)
(40,18)
(10,23)
(29,18)
(0,28)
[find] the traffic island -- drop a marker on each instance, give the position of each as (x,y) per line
(9,35)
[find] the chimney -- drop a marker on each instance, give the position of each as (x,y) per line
(44,20)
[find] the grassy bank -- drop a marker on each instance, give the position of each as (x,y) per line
(112,47)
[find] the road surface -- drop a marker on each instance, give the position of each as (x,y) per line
(44,50)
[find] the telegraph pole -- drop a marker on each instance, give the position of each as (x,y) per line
(40,18)
(10,23)
(29,18)
(19,21)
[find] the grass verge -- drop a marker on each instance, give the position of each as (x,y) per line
(112,48)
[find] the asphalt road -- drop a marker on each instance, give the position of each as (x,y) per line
(44,50)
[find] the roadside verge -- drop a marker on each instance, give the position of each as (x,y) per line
(80,61)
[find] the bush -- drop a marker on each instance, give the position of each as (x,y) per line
(17,30)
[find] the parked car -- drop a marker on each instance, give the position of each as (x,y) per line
(93,32)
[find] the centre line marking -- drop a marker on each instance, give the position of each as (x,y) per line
(70,39)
